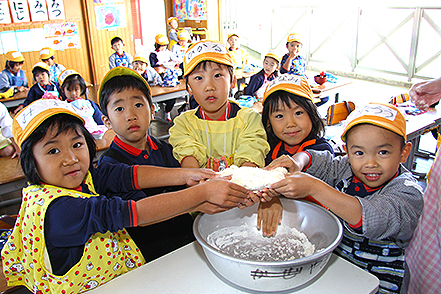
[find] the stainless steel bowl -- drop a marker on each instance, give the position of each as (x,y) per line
(321,227)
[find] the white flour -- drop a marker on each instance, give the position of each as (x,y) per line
(246,242)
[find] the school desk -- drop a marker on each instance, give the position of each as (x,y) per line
(187,270)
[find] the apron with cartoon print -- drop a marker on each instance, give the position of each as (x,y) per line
(25,258)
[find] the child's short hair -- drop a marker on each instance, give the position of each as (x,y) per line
(40,67)
(69,78)
(119,79)
(206,50)
(288,88)
(382,115)
(115,39)
(204,63)
(63,123)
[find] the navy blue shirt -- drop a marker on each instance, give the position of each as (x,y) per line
(37,91)
(256,81)
(160,238)
(69,222)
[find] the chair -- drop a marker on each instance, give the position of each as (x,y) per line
(339,112)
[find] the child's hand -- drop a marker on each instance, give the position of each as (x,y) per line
(296,185)
(267,194)
(269,216)
(195,176)
(221,192)
(210,208)
(285,161)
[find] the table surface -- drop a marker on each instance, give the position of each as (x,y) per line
(187,270)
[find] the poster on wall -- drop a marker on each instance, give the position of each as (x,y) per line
(110,17)
(61,36)
(38,10)
(190,9)
(19,11)
(55,9)
(5,17)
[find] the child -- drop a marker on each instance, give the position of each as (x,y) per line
(178,50)
(73,89)
(141,66)
(218,133)
(126,101)
(43,86)
(173,32)
(258,82)
(119,58)
(240,56)
(13,75)
(67,237)
(293,62)
(8,147)
(47,55)
(376,198)
(292,125)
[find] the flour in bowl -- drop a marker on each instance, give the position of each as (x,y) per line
(254,178)
(246,242)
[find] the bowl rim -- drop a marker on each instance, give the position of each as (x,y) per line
(302,260)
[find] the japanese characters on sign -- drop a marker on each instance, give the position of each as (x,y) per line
(20,11)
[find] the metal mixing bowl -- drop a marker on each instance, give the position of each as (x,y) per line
(321,227)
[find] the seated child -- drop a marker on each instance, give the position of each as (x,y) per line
(173,32)
(123,91)
(13,75)
(240,56)
(43,86)
(141,66)
(120,57)
(218,133)
(47,55)
(292,125)
(258,82)
(73,90)
(293,62)
(376,198)
(8,147)
(68,229)
(178,50)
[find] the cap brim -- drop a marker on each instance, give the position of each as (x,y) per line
(121,71)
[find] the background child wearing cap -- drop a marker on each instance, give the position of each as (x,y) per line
(47,55)
(8,147)
(258,82)
(218,133)
(141,66)
(293,62)
(376,198)
(178,50)
(43,86)
(126,92)
(173,31)
(240,56)
(73,90)
(13,75)
(292,125)
(120,57)
(75,231)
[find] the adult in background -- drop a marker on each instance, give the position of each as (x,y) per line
(423,255)
(13,75)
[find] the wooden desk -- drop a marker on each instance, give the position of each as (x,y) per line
(242,77)
(15,100)
(187,270)
(161,94)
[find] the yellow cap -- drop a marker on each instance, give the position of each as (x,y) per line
(42,65)
(14,56)
(121,71)
(140,57)
(294,84)
(233,34)
(161,39)
(206,50)
(380,114)
(171,18)
(66,73)
(183,35)
(294,37)
(46,53)
(272,55)
(33,115)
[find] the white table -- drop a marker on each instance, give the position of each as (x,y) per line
(187,270)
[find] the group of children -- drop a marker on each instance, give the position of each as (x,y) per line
(80,226)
